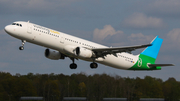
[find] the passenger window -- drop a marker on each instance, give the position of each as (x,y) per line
(17,24)
(13,23)
(20,25)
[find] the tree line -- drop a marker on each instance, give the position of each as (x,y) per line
(53,87)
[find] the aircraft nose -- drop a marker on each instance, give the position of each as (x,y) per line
(8,29)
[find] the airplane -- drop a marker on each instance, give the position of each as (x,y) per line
(60,45)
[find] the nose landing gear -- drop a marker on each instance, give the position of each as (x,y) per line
(22,47)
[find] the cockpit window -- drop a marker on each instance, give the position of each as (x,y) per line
(13,23)
(17,24)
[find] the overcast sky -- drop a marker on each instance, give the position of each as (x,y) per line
(108,22)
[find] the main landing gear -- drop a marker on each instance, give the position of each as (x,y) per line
(93,65)
(74,65)
(22,47)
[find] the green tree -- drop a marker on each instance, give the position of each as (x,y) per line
(171,89)
(82,88)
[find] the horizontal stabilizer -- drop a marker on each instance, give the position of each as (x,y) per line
(155,65)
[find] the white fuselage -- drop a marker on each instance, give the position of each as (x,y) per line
(58,41)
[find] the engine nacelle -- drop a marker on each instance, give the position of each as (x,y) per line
(83,52)
(78,51)
(54,55)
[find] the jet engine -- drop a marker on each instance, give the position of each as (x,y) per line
(83,52)
(78,51)
(54,55)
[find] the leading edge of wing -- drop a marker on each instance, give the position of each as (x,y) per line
(121,49)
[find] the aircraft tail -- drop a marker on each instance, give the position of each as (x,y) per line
(148,57)
(153,50)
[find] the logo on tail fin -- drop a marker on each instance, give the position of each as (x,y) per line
(139,62)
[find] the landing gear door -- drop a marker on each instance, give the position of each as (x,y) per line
(62,38)
(29,28)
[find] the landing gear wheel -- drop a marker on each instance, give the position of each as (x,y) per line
(73,66)
(93,65)
(21,48)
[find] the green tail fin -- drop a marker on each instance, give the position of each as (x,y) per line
(148,56)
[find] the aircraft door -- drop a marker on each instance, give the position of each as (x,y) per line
(62,38)
(29,28)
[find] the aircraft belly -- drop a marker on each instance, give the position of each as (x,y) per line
(119,62)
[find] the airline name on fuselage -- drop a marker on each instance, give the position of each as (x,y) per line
(46,29)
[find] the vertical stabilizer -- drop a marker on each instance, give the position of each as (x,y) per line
(148,57)
(152,51)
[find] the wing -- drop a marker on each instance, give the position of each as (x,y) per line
(101,52)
